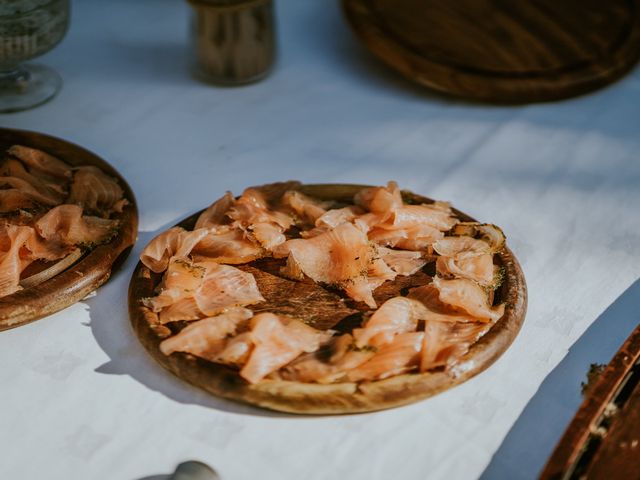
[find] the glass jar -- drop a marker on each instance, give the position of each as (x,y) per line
(233,40)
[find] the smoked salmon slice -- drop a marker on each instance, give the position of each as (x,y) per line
(334,217)
(28,190)
(467,296)
(396,315)
(175,242)
(307,209)
(54,189)
(252,208)
(13,199)
(277,343)
(411,216)
(223,244)
(342,356)
(459,247)
(95,191)
(492,234)
(183,309)
(479,269)
(444,343)
(236,350)
(11,263)
(403,262)
(380,199)
(399,356)
(39,161)
(66,225)
(224,286)
(468,257)
(206,338)
(418,238)
(226,244)
(201,289)
(216,214)
(338,257)
(436,310)
(181,280)
(268,235)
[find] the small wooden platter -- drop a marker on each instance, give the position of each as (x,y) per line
(502,51)
(91,269)
(603,439)
(323,308)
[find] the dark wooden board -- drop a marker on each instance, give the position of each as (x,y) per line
(603,439)
(91,270)
(340,397)
(503,51)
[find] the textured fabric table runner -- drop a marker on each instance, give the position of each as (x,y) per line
(81,399)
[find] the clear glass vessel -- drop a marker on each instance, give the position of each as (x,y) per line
(28,29)
(234,40)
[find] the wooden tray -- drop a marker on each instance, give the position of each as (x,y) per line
(603,439)
(334,398)
(502,51)
(91,270)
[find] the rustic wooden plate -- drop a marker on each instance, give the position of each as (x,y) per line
(502,51)
(602,440)
(325,309)
(93,268)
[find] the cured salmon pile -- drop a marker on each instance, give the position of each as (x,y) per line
(50,211)
(215,309)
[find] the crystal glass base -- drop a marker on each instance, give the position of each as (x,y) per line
(27,86)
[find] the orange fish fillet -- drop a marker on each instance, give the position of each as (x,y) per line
(445,343)
(276,344)
(399,356)
(95,191)
(11,264)
(380,199)
(216,214)
(311,367)
(41,162)
(176,242)
(66,225)
(468,296)
(396,315)
(306,208)
(206,338)
(224,286)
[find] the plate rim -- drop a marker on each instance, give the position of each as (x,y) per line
(482,86)
(339,398)
(94,268)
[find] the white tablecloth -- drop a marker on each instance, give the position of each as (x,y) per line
(81,399)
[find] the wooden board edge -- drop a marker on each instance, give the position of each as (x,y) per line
(340,398)
(94,268)
(480,87)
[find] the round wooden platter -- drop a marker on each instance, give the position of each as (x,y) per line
(93,268)
(326,309)
(502,51)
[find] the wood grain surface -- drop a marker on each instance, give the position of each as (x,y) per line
(499,50)
(603,439)
(281,295)
(95,267)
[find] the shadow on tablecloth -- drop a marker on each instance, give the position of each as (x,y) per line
(533,437)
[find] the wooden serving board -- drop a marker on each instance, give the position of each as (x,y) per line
(502,51)
(603,439)
(93,268)
(324,309)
